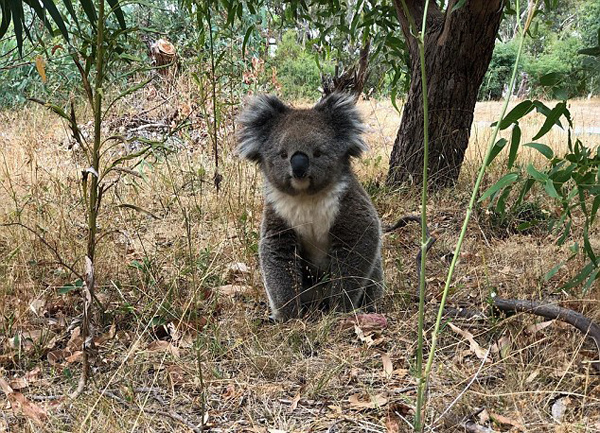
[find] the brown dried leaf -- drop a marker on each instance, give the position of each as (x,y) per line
(176,375)
(473,345)
(57,356)
(163,346)
(28,378)
(502,347)
(500,419)
(367,339)
(372,402)
(367,322)
(75,342)
(77,356)
(537,327)
(19,403)
(295,402)
(238,269)
(40,65)
(231,290)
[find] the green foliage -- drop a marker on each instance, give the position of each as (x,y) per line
(572,182)
(499,71)
(297,69)
(560,34)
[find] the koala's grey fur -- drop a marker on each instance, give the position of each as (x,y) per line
(321,236)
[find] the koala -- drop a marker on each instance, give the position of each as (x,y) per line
(320,243)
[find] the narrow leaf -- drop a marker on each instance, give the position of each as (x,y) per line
(550,79)
(246,37)
(516,113)
(582,275)
(90,11)
(514,145)
(5,9)
(553,271)
(17,14)
(542,148)
(552,119)
(550,189)
(537,175)
(116,9)
(498,146)
(56,17)
(503,182)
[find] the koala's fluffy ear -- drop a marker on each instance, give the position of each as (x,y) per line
(342,115)
(256,122)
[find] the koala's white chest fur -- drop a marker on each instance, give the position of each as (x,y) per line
(311,217)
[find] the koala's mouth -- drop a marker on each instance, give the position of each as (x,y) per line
(300,184)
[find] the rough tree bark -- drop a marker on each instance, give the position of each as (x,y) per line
(458,50)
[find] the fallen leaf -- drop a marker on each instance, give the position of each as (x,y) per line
(57,356)
(27,379)
(532,376)
(367,339)
(501,347)
(176,375)
(75,342)
(484,416)
(231,290)
(163,346)
(388,368)
(295,402)
(473,345)
(238,269)
(500,419)
(392,423)
(400,372)
(372,402)
(367,322)
(275,430)
(77,356)
(37,306)
(19,403)
(537,327)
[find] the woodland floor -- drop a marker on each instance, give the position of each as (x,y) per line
(184,339)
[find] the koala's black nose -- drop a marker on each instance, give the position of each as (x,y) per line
(299,163)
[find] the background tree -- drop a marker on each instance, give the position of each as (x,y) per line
(458,48)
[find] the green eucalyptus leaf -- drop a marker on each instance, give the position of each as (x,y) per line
(496,149)
(542,148)
(553,118)
(503,182)
(516,114)
(515,139)
(537,175)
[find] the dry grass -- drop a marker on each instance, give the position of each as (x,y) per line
(158,278)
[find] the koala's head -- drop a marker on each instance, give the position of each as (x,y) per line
(301,150)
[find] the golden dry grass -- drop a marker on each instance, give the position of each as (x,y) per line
(177,342)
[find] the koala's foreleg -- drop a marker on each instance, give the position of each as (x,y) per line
(355,267)
(281,270)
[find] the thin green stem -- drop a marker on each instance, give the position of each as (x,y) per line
(420,38)
(434,336)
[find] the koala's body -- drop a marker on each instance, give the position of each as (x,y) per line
(320,243)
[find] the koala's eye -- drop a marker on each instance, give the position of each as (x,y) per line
(283,154)
(317,153)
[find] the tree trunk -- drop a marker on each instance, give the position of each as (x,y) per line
(458,50)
